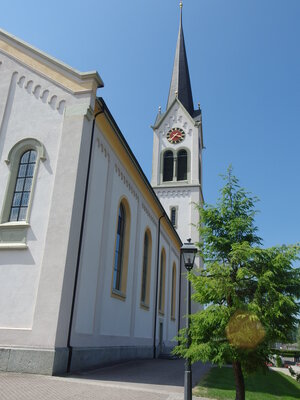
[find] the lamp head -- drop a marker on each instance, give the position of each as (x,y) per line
(189,251)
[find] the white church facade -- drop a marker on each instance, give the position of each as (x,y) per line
(89,250)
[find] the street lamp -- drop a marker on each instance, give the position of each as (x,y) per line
(188,252)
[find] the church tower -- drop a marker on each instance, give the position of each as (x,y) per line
(177,150)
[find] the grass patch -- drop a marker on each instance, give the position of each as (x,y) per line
(219,384)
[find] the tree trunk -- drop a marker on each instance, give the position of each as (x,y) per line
(239,381)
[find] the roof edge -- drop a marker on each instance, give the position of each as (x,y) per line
(44,57)
(156,126)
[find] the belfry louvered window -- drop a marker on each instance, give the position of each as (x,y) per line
(21,195)
(182,165)
(168,166)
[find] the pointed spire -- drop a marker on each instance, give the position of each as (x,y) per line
(180,84)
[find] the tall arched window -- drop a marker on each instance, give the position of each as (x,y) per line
(173,294)
(161,299)
(173,216)
(119,248)
(23,161)
(182,165)
(22,190)
(145,288)
(168,163)
(120,266)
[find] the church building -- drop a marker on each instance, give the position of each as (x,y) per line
(90,270)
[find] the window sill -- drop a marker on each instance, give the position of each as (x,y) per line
(13,235)
(118,295)
(144,306)
(161,313)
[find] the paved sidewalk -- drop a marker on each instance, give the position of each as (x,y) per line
(134,380)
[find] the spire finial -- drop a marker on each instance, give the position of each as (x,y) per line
(181,5)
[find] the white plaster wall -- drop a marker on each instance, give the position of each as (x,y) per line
(115,314)
(25,114)
(144,318)
(90,255)
(30,281)
(102,320)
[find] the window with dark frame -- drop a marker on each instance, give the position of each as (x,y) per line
(145,268)
(161,282)
(21,196)
(182,165)
(173,216)
(119,248)
(173,295)
(168,165)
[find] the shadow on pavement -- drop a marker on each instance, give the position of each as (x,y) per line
(154,372)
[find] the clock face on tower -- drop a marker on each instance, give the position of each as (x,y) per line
(175,135)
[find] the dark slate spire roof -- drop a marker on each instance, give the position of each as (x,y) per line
(180,83)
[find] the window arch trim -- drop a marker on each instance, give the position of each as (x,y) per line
(175,153)
(13,234)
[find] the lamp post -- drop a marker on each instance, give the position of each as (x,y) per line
(188,252)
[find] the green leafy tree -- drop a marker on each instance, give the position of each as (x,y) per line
(249,293)
(298,336)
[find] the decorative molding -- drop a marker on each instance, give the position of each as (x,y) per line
(43,94)
(103,148)
(173,193)
(126,181)
(177,118)
(149,214)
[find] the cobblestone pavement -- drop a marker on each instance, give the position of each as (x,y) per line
(134,380)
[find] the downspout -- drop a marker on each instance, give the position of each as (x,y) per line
(179,295)
(80,242)
(156,289)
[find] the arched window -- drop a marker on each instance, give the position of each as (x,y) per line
(119,248)
(173,294)
(173,216)
(161,299)
(21,195)
(23,162)
(120,266)
(145,289)
(168,163)
(182,165)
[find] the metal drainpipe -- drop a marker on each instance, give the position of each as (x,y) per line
(179,294)
(156,290)
(80,243)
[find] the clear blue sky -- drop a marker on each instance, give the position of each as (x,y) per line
(244,59)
